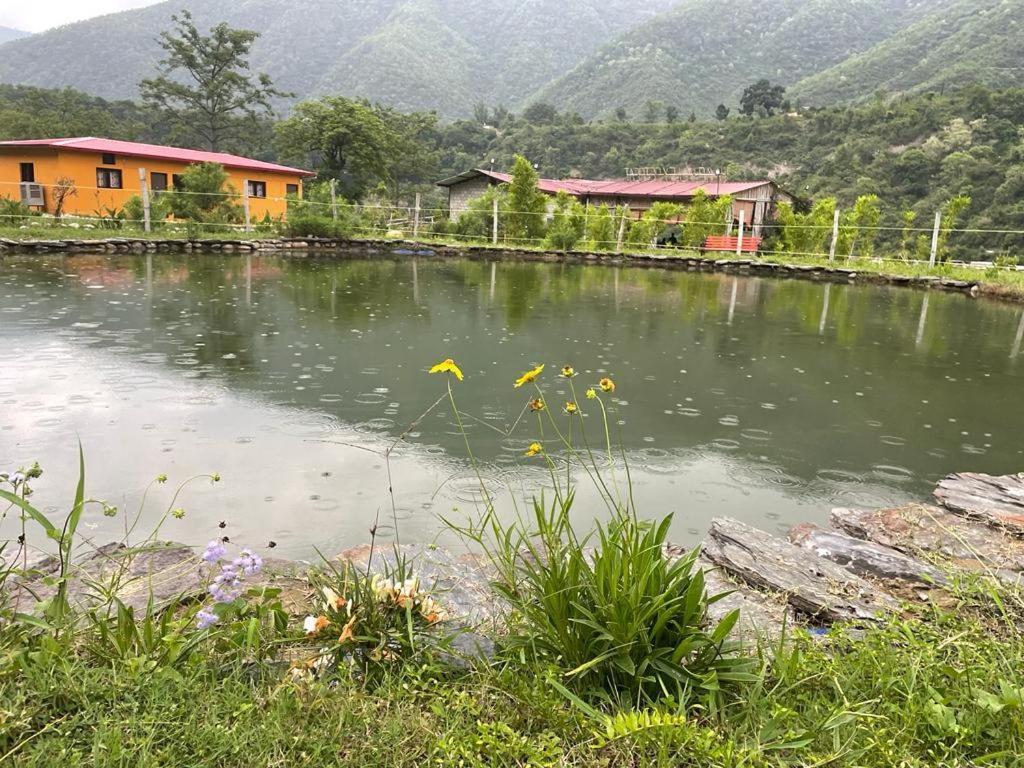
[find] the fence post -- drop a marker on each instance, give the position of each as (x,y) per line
(835,235)
(494,223)
(245,205)
(144,193)
(416,218)
(739,238)
(935,239)
(334,199)
(622,230)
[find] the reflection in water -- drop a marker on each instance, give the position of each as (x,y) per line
(767,400)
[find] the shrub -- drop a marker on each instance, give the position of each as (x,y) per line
(13,212)
(567,225)
(159,210)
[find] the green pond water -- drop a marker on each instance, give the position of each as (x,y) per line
(769,401)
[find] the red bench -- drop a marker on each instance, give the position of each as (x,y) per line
(728,243)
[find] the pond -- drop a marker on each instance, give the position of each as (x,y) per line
(770,401)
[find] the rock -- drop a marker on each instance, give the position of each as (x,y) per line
(917,529)
(762,616)
(997,501)
(812,585)
(864,558)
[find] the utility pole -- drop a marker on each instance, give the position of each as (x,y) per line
(334,199)
(835,236)
(144,191)
(739,238)
(935,239)
(416,218)
(494,224)
(245,206)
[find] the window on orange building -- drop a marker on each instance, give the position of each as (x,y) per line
(158,181)
(257,188)
(108,159)
(108,178)
(291,189)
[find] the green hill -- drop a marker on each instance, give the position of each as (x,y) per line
(412,54)
(963,43)
(704,52)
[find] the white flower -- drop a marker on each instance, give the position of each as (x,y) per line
(309,625)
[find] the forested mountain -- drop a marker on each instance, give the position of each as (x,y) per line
(6,33)
(956,44)
(704,52)
(446,55)
(588,56)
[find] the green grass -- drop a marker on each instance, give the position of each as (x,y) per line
(946,691)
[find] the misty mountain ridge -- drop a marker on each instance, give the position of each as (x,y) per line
(588,56)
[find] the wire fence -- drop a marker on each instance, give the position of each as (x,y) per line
(381,218)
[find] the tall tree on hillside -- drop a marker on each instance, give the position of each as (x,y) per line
(722,112)
(762,99)
(217,101)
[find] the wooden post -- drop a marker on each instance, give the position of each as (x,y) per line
(494,223)
(835,235)
(245,205)
(739,235)
(144,193)
(935,239)
(622,230)
(416,218)
(586,221)
(334,199)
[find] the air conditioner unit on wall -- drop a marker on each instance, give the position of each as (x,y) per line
(32,194)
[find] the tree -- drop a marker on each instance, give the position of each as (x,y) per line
(653,111)
(216,102)
(203,195)
(620,114)
(526,203)
(705,216)
(568,222)
(722,112)
(63,190)
(602,229)
(477,221)
(671,114)
(540,113)
(658,218)
(348,140)
(951,211)
(481,113)
(761,98)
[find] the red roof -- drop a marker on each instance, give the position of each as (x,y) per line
(624,187)
(158,152)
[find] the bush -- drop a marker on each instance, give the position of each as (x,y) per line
(305,223)
(159,210)
(567,225)
(13,212)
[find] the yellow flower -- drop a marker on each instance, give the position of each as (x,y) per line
(568,371)
(530,376)
(571,408)
(606,385)
(591,394)
(534,449)
(448,366)
(537,404)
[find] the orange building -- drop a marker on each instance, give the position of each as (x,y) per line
(106,172)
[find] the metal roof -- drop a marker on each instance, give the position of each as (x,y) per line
(618,187)
(158,152)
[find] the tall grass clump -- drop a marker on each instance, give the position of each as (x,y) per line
(623,623)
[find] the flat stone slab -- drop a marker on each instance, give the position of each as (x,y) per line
(924,529)
(762,616)
(865,558)
(996,500)
(171,573)
(812,585)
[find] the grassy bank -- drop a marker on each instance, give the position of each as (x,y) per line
(995,282)
(941,689)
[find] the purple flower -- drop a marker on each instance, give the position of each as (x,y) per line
(225,584)
(214,552)
(248,562)
(205,619)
